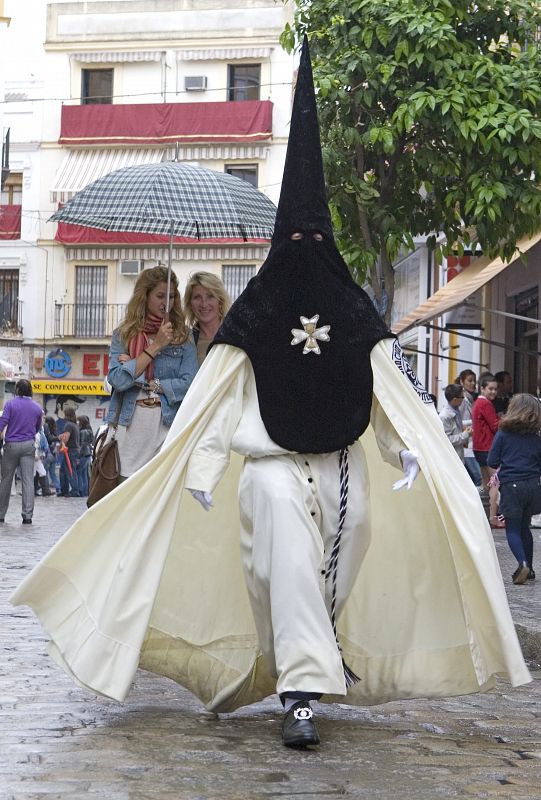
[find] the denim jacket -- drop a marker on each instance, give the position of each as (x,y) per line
(175,367)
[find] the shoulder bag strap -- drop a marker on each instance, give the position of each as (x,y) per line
(114,423)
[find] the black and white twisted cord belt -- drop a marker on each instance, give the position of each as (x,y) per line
(332,570)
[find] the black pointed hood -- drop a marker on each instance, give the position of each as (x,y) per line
(306,326)
(303,197)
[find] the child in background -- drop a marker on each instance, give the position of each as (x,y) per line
(41,481)
(485,423)
(467,379)
(516,450)
(452,419)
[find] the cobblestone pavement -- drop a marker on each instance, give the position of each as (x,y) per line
(60,741)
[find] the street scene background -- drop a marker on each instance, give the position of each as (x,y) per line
(89,87)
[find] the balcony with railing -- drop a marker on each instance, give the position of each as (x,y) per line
(11,317)
(232,121)
(87,320)
(10,222)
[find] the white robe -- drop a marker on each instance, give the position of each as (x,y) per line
(147,578)
(289,513)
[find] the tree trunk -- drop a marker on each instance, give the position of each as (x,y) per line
(386,287)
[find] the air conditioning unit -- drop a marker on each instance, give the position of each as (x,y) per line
(195,83)
(131,267)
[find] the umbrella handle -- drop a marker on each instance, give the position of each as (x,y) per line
(64,451)
(169,268)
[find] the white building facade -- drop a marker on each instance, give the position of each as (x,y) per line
(90,87)
(472,312)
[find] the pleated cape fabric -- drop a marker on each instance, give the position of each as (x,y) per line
(147,578)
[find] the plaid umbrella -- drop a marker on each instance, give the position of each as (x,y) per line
(175,199)
(172,198)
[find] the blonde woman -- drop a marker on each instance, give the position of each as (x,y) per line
(206,303)
(152,362)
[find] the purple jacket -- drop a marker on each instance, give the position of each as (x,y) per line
(22,416)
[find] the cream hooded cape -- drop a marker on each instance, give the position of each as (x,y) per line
(147,578)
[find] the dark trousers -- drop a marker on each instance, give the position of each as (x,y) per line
(518,501)
(520,539)
(69,482)
(82,475)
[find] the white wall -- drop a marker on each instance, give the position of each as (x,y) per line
(43,70)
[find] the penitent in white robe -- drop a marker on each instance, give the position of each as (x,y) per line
(289,519)
(147,578)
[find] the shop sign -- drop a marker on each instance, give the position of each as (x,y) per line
(40,386)
(95,364)
(58,363)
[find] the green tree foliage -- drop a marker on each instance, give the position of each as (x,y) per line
(430,121)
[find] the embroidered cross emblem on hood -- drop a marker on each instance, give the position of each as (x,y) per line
(310,334)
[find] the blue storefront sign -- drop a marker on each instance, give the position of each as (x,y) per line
(58,363)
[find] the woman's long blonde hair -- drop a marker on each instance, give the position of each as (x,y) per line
(134,321)
(214,285)
(523,415)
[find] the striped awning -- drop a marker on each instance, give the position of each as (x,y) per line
(126,56)
(235,253)
(224,53)
(467,282)
(81,167)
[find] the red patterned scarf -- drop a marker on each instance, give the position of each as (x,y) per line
(141,341)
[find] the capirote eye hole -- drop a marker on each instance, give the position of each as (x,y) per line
(297,235)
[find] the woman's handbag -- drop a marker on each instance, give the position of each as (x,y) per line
(105,467)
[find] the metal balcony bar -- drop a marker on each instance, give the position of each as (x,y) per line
(11,316)
(87,320)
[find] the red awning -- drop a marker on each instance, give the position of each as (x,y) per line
(78,234)
(10,222)
(158,123)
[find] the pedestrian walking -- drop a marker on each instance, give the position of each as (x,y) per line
(52,456)
(467,379)
(516,453)
(69,448)
(86,437)
(41,480)
(504,392)
(485,424)
(451,418)
(22,419)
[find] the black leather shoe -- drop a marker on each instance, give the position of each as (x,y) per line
(27,521)
(298,727)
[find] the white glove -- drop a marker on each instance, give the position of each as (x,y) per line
(205,498)
(410,465)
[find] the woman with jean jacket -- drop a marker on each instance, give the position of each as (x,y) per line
(152,362)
